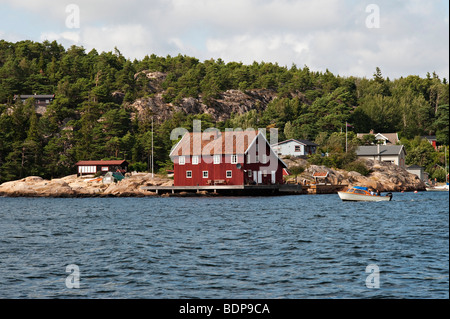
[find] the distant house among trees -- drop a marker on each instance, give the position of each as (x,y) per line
(382,138)
(432,140)
(383,153)
(419,171)
(295,147)
(40,101)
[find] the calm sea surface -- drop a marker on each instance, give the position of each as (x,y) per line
(310,246)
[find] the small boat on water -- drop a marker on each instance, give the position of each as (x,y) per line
(442,188)
(360,193)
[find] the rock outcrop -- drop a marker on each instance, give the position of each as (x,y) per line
(227,103)
(385,177)
(73,186)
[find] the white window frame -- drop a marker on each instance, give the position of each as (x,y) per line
(264,159)
(231,174)
(181,160)
(87,169)
(187,174)
(207,174)
(217,159)
(195,160)
(250,175)
(234,159)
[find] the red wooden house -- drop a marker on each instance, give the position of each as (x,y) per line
(226,158)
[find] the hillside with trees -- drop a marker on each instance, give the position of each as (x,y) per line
(105,105)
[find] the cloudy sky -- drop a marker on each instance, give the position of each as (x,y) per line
(348,37)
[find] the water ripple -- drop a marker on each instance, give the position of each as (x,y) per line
(264,247)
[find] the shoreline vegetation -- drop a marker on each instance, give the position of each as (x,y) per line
(59,106)
(385,177)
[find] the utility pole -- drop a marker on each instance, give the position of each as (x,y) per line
(346,147)
(152,149)
(446,166)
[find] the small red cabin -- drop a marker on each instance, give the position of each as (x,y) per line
(226,158)
(92,167)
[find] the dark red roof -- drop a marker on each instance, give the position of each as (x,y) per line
(320,174)
(99,163)
(235,142)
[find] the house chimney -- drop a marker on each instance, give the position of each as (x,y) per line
(372,132)
(378,151)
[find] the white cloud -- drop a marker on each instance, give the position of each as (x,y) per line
(412,38)
(132,40)
(281,49)
(72,37)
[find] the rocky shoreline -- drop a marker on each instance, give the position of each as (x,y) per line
(383,176)
(73,186)
(386,177)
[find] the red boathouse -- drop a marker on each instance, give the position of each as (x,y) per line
(226,158)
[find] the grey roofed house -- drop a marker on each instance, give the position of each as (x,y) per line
(44,98)
(41,101)
(294,147)
(419,171)
(384,153)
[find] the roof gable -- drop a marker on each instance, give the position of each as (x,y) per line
(390,137)
(302,142)
(214,143)
(219,143)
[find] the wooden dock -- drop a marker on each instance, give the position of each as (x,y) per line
(234,190)
(323,188)
(248,190)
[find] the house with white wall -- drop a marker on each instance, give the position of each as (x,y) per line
(419,171)
(294,147)
(382,138)
(383,153)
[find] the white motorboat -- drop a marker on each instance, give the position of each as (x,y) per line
(442,188)
(360,193)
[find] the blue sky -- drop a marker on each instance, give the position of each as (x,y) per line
(412,36)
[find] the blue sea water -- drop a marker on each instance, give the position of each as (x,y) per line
(308,246)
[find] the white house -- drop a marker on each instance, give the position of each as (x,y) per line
(294,147)
(419,171)
(384,153)
(382,138)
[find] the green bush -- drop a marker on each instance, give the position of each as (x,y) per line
(438,174)
(296,170)
(334,160)
(138,167)
(358,166)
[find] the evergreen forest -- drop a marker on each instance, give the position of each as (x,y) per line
(86,120)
